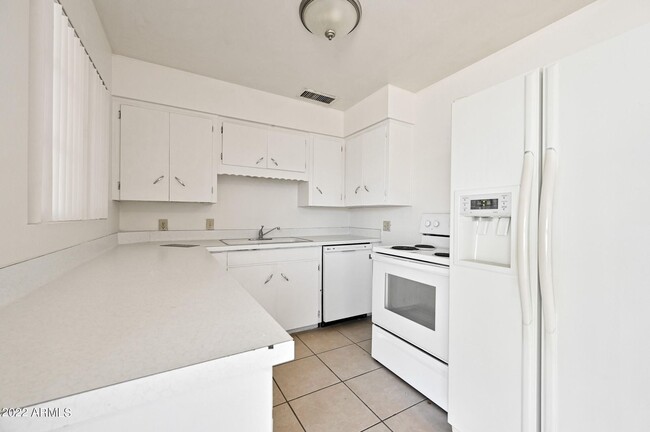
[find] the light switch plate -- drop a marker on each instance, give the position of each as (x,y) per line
(386,226)
(162,225)
(209,224)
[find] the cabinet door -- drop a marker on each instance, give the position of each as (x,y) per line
(374,165)
(144,154)
(327,171)
(298,292)
(244,145)
(190,155)
(353,173)
(260,282)
(287,150)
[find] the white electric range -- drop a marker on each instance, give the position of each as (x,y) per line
(410,308)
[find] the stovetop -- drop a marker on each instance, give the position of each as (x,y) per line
(420,252)
(433,246)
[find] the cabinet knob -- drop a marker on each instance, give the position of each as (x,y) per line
(259,160)
(319,191)
(366,188)
(179,181)
(268,279)
(285,278)
(356,191)
(158,179)
(273,160)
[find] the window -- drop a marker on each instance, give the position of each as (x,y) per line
(69,123)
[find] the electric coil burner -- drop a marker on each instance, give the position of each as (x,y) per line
(433,247)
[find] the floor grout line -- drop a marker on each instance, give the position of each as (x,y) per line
(363,402)
(407,408)
(344,382)
(281,392)
(368,428)
(315,391)
(296,416)
(288,404)
(356,395)
(341,381)
(323,388)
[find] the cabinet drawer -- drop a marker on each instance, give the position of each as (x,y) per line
(243,258)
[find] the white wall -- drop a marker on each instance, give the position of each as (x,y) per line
(19,240)
(149,82)
(431,164)
(387,102)
(243,202)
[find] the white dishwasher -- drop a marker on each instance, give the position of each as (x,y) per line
(347,281)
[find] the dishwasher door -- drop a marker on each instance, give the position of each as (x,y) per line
(347,281)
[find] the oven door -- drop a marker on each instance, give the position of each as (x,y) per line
(411,300)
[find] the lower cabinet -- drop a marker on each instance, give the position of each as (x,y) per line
(285,282)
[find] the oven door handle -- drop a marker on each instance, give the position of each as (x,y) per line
(412,264)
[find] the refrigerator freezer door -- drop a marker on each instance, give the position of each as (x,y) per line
(598,123)
(493,356)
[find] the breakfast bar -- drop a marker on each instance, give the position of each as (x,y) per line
(142,333)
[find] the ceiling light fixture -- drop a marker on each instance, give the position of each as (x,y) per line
(330,17)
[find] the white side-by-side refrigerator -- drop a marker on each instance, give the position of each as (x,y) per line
(550,255)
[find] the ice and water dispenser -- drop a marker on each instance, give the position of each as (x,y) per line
(484,228)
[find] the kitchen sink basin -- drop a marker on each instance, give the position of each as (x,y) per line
(254,241)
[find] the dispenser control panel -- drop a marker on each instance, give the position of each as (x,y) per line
(490,205)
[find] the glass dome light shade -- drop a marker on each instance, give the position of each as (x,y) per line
(322,17)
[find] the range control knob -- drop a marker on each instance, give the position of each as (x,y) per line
(436,224)
(427,223)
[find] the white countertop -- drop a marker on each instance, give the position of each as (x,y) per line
(134,311)
(314,241)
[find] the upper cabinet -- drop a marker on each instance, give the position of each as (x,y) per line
(378,165)
(262,151)
(353,171)
(244,145)
(190,159)
(287,150)
(326,173)
(144,154)
(165,156)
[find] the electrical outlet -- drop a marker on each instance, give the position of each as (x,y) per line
(386,225)
(162,225)
(209,224)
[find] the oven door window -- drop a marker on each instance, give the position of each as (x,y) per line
(412,300)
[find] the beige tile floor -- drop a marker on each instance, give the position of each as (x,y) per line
(335,385)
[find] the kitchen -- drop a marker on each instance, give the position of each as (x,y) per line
(243,204)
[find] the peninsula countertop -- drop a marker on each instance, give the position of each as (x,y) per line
(134,311)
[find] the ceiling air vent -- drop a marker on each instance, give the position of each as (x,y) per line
(318,97)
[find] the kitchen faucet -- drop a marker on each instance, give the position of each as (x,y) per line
(261,233)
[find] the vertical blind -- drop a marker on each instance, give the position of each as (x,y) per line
(80,105)
(72,151)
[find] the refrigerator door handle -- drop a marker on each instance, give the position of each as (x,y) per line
(545,233)
(523,225)
(528,401)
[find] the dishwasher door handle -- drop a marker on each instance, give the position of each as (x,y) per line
(346,248)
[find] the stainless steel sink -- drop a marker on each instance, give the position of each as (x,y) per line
(253,241)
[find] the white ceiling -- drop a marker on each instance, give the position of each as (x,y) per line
(262,44)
